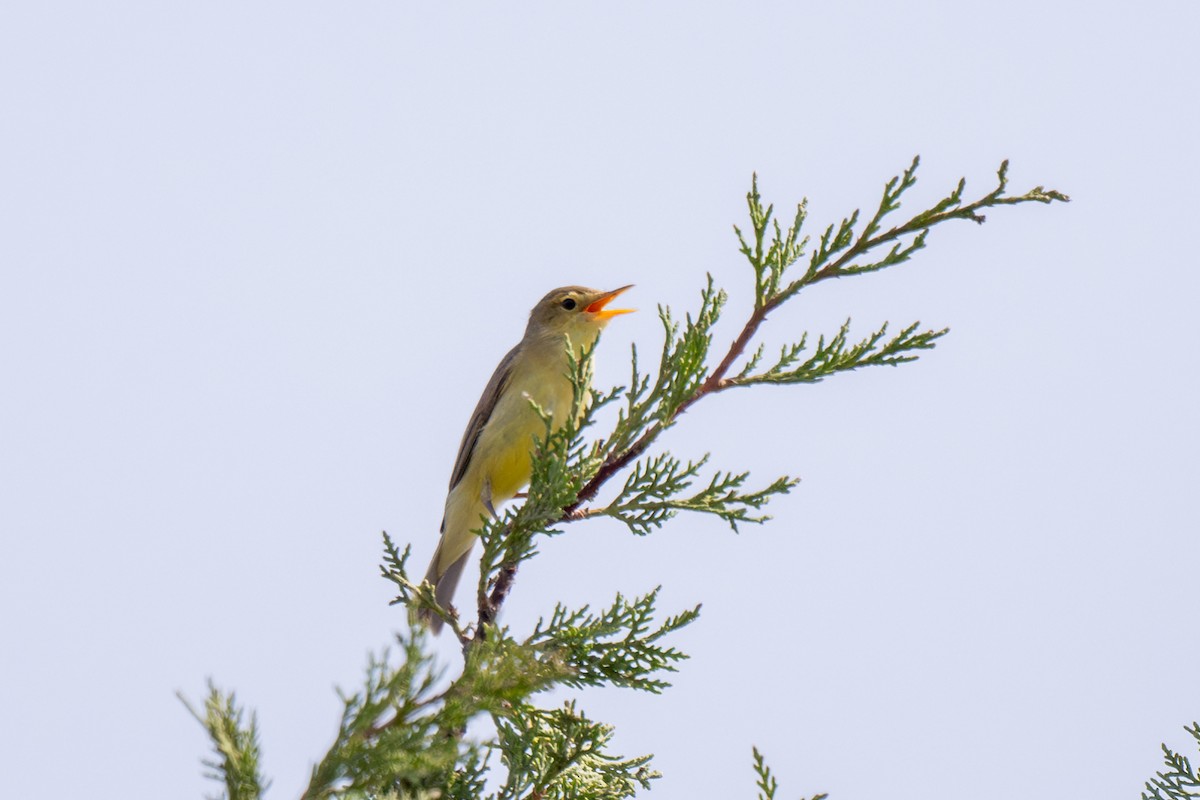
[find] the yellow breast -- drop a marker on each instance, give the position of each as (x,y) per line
(503,452)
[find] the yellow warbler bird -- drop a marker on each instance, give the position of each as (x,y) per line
(494,459)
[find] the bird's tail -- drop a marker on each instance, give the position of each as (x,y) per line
(443,588)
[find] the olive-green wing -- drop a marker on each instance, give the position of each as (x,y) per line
(483,412)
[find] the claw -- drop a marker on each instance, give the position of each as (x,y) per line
(486,497)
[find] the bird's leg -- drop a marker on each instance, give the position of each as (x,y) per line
(486,497)
(520,495)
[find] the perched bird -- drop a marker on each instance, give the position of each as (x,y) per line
(494,459)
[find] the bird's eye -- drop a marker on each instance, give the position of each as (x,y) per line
(569,304)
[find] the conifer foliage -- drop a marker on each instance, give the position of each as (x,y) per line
(404,731)
(1179,780)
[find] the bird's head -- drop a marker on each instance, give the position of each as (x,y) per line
(574,311)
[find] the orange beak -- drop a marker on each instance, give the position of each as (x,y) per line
(597,306)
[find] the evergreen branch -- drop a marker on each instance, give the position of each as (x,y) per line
(839,253)
(823,265)
(398,733)
(507,541)
(1180,781)
(837,355)
(500,671)
(401,738)
(756,357)
(766,783)
(560,754)
(784,250)
(415,596)
(616,647)
(566,474)
(654,491)
(235,744)
(390,732)
(679,383)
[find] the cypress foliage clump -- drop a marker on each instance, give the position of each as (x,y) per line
(1179,780)
(404,732)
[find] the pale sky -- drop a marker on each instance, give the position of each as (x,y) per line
(257,261)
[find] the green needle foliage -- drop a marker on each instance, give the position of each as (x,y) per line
(614,648)
(418,730)
(560,753)
(658,487)
(767,785)
(1180,780)
(235,743)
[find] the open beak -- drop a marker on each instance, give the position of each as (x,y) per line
(597,306)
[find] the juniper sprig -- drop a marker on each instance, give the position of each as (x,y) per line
(404,734)
(765,779)
(1179,780)
(235,742)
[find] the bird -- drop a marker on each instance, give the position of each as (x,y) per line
(495,456)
